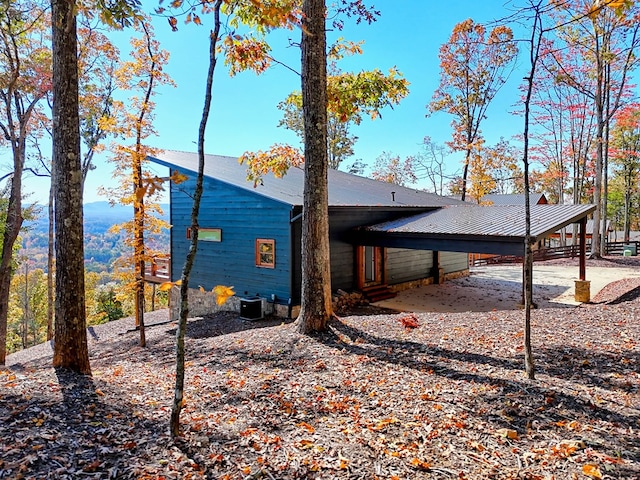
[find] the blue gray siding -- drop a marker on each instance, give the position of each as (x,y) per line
(454,261)
(243,217)
(342,221)
(405,265)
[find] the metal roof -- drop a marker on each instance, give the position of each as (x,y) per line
(344,189)
(472,228)
(512,198)
(589,229)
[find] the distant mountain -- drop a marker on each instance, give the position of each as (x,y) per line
(101,247)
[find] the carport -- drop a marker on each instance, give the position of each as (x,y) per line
(478,229)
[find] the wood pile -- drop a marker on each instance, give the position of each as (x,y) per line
(344,300)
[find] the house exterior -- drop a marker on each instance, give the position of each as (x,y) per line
(381,235)
(250,237)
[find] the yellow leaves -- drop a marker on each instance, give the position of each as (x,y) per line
(382,424)
(246,53)
(177,177)
(599,5)
(166,286)
(223,293)
(277,160)
(591,470)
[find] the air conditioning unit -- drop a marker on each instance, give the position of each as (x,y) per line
(252,308)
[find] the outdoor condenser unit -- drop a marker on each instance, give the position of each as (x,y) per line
(252,308)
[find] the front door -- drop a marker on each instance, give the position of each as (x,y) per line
(370,266)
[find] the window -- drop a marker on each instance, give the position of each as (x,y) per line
(207,234)
(265,253)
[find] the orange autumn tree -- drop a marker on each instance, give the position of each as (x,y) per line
(473,67)
(143,74)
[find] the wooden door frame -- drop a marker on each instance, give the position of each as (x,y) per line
(379,254)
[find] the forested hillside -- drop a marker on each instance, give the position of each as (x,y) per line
(101,246)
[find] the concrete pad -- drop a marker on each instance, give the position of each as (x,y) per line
(500,288)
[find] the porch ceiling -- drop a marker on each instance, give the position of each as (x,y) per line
(472,229)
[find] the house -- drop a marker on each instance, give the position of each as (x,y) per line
(250,237)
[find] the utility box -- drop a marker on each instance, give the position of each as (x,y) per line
(252,308)
(629,250)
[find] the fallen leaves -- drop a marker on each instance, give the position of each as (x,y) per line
(591,470)
(409,321)
(447,401)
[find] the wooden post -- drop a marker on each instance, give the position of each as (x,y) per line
(583,249)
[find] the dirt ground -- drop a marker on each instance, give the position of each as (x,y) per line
(499,287)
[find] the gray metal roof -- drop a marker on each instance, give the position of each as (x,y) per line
(491,221)
(490,229)
(344,189)
(588,230)
(511,198)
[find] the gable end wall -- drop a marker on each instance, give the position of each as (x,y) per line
(243,218)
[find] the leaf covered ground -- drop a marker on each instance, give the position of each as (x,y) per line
(381,395)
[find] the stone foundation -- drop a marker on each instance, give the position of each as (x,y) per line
(204,303)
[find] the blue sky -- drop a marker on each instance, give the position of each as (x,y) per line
(244,115)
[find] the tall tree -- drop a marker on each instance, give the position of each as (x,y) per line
(144,71)
(473,67)
(625,151)
(316,307)
(241,53)
(607,37)
(566,128)
(70,351)
(25,66)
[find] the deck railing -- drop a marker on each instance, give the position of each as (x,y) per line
(158,270)
(550,253)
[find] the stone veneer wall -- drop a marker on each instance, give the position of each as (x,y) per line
(204,303)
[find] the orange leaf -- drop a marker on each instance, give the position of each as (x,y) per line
(165,286)
(420,464)
(306,426)
(591,470)
(409,321)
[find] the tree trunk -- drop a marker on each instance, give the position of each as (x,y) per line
(138,235)
(50,266)
(316,306)
(11,231)
(534,55)
(70,349)
(174,422)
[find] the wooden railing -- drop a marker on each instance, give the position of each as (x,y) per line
(158,270)
(550,253)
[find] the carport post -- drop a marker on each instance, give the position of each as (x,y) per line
(583,286)
(583,249)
